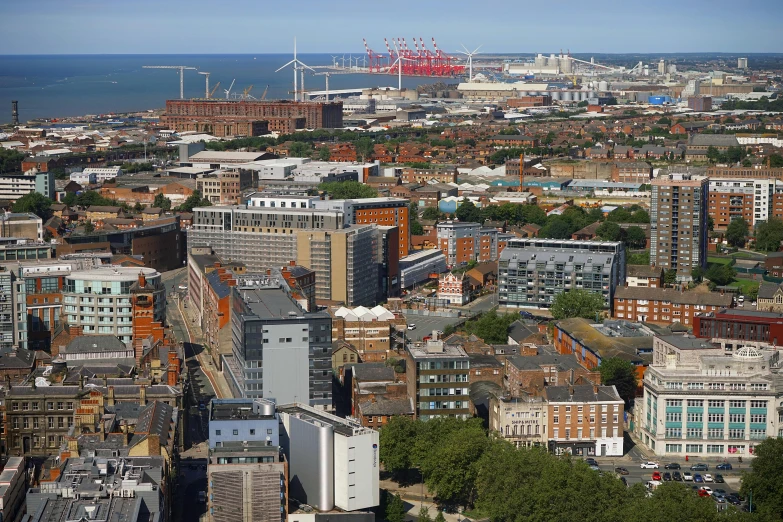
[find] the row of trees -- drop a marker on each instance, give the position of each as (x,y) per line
(463,466)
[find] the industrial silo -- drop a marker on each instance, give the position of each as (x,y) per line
(567,96)
(603,86)
(555,95)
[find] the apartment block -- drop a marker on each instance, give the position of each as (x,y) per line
(13,312)
(465,242)
(644,276)
(345,263)
(689,407)
(437,375)
(666,305)
(279,351)
(678,224)
(13,488)
(750,199)
(225,187)
(585,420)
(531,272)
(21,225)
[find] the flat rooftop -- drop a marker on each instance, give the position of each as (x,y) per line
(432,349)
(273,302)
(688,343)
(241,409)
(342,426)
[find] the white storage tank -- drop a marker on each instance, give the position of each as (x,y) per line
(603,86)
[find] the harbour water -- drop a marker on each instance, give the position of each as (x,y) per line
(58,86)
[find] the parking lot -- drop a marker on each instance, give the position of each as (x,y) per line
(426,324)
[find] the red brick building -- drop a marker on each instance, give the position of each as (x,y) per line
(666,305)
(741,325)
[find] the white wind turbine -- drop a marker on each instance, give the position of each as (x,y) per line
(470,59)
(399,60)
(297,65)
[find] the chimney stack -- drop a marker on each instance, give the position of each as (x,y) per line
(111,395)
(143,395)
(142,280)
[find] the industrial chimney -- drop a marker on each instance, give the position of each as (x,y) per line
(15,112)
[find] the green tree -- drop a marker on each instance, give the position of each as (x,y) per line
(635,237)
(720,274)
(430,213)
(417,229)
(577,303)
(395,510)
(670,277)
(161,201)
(775,161)
(424,515)
(439,517)
(491,327)
(713,155)
(364,148)
(348,190)
(533,214)
(557,228)
(468,213)
(10,160)
(769,235)
(324,154)
(89,227)
(610,231)
(395,443)
(36,203)
(193,201)
(596,214)
(737,232)
(764,479)
(697,274)
(138,207)
(300,149)
(622,375)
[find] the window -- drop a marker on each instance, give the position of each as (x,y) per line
(715,433)
(737,404)
(674,417)
(758,404)
(695,417)
(715,404)
(673,433)
(758,418)
(35,406)
(236,432)
(714,448)
(269,432)
(715,417)
(252,432)
(217,432)
(556,419)
(695,403)
(737,417)
(693,448)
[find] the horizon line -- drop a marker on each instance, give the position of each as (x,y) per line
(488,53)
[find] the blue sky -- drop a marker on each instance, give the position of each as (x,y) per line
(263,26)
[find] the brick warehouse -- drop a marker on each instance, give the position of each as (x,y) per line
(281,115)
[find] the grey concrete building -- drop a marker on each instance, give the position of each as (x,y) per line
(531,272)
(279,351)
(243,421)
(678,223)
(438,379)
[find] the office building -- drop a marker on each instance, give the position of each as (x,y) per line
(260,238)
(100,300)
(14,249)
(437,374)
(132,489)
(742,326)
(678,224)
(225,187)
(345,262)
(333,462)
(585,420)
(243,420)
(279,351)
(703,400)
(368,331)
(742,63)
(417,267)
(531,272)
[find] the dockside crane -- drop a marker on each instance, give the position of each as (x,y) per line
(263,96)
(212,92)
(206,89)
(182,69)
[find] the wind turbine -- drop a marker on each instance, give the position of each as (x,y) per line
(470,59)
(334,61)
(297,65)
(398,61)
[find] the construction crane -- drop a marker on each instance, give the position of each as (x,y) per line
(182,69)
(263,96)
(213,90)
(206,90)
(246,93)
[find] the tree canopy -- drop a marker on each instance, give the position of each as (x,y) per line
(769,235)
(621,374)
(193,201)
(491,327)
(36,203)
(10,160)
(467,212)
(720,274)
(577,303)
(737,232)
(348,190)
(161,201)
(635,237)
(764,479)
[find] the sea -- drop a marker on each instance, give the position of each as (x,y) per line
(58,86)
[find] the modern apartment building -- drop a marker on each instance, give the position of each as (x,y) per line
(345,262)
(13,312)
(333,462)
(99,300)
(465,242)
(678,223)
(279,351)
(585,420)
(259,237)
(531,272)
(21,225)
(747,198)
(702,399)
(437,375)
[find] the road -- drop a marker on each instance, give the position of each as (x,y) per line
(637,474)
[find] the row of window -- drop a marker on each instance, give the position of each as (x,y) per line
(34,406)
(579,419)
(51,422)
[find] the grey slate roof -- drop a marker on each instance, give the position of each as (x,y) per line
(92,343)
(401,406)
(372,372)
(716,140)
(767,290)
(581,394)
(674,296)
(520,331)
(534,362)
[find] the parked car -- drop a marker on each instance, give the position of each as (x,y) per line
(687,477)
(721,492)
(734,498)
(649,465)
(672,465)
(657,476)
(723,466)
(707,489)
(698,478)
(700,467)
(622,471)
(411,326)
(594,467)
(677,476)
(719,478)
(707,477)
(703,493)
(667,477)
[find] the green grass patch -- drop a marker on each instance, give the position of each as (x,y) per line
(719,260)
(745,285)
(747,255)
